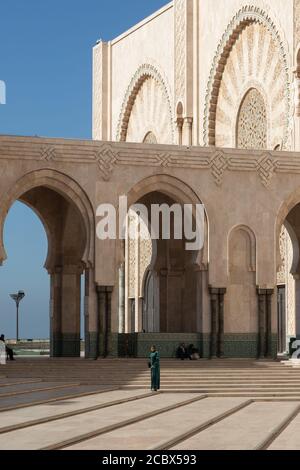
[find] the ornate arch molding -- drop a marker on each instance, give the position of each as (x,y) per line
(285,208)
(144,72)
(66,187)
(181,193)
(252,240)
(245,17)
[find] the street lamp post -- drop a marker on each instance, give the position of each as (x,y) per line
(17,298)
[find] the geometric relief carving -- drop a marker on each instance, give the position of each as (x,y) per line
(219,164)
(131,258)
(106,159)
(252,122)
(281,275)
(150,110)
(146,105)
(48,153)
(284,277)
(139,254)
(251,54)
(290,286)
(266,167)
(145,257)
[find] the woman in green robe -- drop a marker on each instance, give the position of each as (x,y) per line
(155,369)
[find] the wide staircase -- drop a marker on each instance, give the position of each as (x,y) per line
(214,378)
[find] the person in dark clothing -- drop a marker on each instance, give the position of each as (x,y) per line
(181,352)
(9,351)
(193,353)
(155,369)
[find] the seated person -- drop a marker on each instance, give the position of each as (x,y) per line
(193,353)
(9,351)
(181,352)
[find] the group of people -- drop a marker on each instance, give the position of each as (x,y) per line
(189,352)
(5,350)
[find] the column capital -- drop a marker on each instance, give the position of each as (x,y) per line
(217,290)
(104,289)
(188,121)
(270,291)
(213,290)
(261,291)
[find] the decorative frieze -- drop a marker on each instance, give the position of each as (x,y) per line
(110,156)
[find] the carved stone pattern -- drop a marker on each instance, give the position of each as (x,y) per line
(106,159)
(284,277)
(180,49)
(48,153)
(266,168)
(144,72)
(252,122)
(145,256)
(131,261)
(246,16)
(219,164)
(111,156)
(164,159)
(290,288)
(149,112)
(281,275)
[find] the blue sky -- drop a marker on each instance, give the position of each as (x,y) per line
(46,63)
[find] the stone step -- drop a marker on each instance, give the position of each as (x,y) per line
(288,438)
(25,417)
(155,432)
(51,436)
(248,429)
(145,371)
(48,396)
(19,389)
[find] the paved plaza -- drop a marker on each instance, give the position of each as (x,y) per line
(73,404)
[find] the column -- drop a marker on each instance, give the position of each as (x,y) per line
(222,293)
(187,135)
(107,330)
(55,311)
(269,294)
(70,307)
(122,298)
(91,316)
(214,300)
(262,322)
(179,123)
(104,312)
